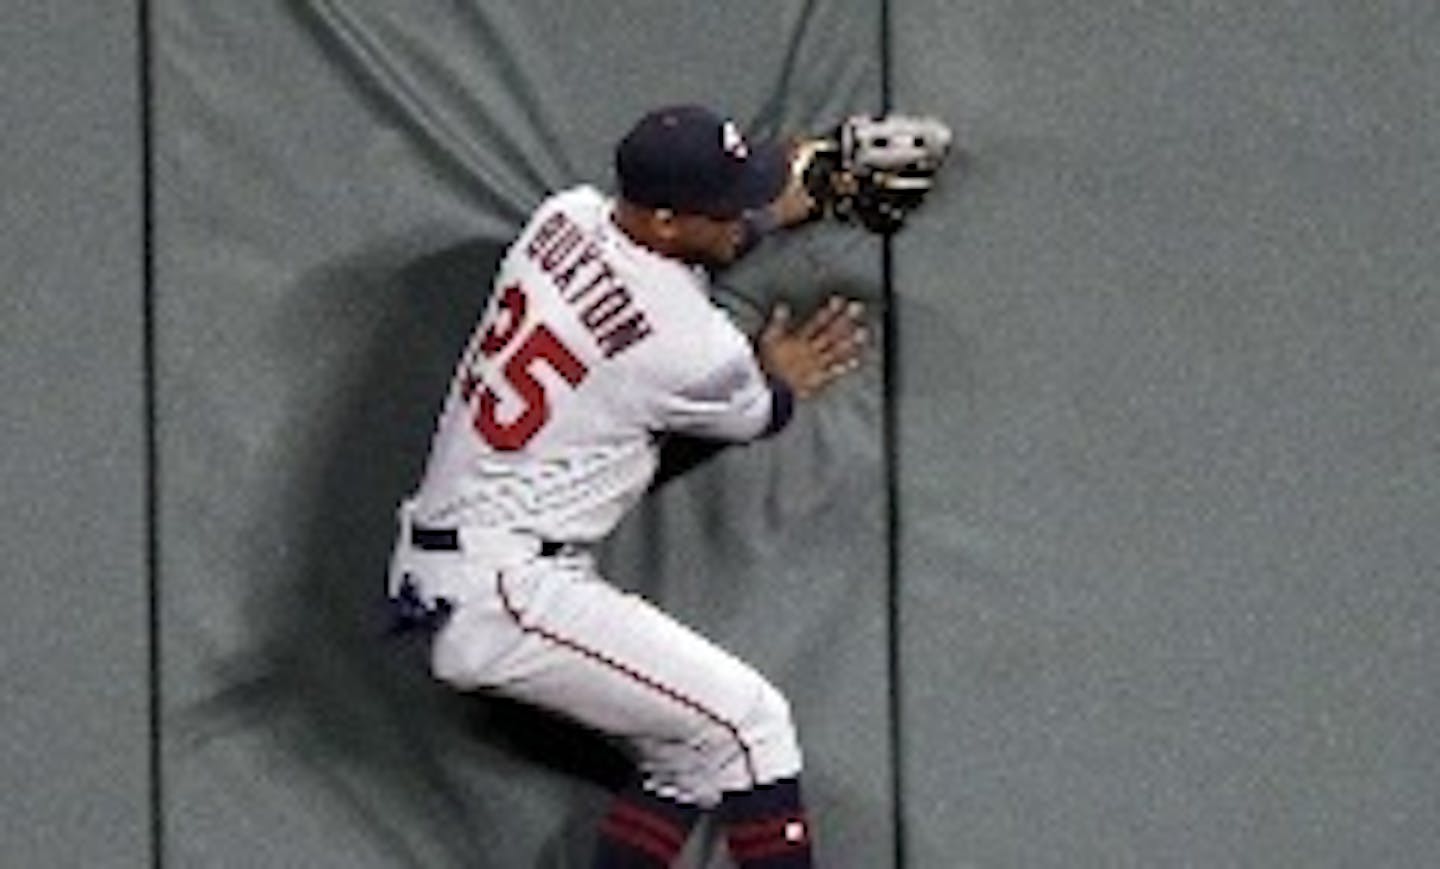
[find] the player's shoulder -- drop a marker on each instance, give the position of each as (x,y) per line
(582,202)
(704,343)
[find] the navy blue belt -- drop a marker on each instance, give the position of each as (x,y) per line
(448,540)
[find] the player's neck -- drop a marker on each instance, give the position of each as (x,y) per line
(638,224)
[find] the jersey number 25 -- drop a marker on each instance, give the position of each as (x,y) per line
(539,347)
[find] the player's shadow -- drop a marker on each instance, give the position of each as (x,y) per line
(433,775)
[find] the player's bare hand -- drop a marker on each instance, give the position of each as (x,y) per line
(817,352)
(793,206)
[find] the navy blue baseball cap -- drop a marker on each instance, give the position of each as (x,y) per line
(690,160)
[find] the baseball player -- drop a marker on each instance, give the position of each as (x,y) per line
(599,338)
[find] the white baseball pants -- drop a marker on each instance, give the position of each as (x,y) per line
(552,632)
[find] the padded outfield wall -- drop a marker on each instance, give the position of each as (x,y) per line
(74,625)
(1159,584)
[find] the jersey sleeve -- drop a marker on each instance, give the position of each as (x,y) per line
(729,397)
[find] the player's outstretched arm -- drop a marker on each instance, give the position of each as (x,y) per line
(793,207)
(810,356)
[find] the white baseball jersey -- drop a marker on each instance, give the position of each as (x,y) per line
(591,345)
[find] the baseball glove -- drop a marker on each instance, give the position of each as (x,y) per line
(874,170)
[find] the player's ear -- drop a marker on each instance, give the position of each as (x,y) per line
(665,223)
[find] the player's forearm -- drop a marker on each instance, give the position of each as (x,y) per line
(682,453)
(757,225)
(791,209)
(782,407)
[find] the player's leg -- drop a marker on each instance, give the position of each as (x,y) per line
(704,725)
(766,827)
(643,830)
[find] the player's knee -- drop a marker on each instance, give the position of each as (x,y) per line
(769,732)
(750,741)
(771,713)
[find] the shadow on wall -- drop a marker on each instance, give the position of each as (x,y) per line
(424,770)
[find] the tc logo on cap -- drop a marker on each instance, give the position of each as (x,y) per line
(733,142)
